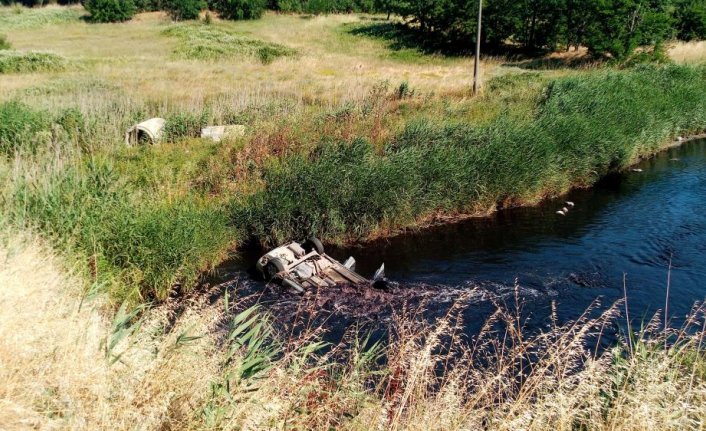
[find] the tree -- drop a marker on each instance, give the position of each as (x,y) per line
(110,10)
(618,27)
(239,9)
(180,10)
(690,19)
(148,5)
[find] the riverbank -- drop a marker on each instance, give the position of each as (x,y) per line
(580,129)
(147,222)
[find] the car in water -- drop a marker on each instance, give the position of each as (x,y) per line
(304,266)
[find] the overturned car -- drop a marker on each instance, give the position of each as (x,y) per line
(304,266)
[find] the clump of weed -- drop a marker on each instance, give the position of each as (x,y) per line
(210,42)
(21,127)
(149,245)
(77,127)
(404,91)
(4,44)
(25,62)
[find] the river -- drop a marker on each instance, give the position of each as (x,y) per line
(631,226)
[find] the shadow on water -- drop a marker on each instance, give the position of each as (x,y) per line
(630,224)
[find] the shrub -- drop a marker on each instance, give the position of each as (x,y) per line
(21,127)
(690,17)
(4,44)
(24,62)
(22,18)
(110,10)
(240,9)
(184,9)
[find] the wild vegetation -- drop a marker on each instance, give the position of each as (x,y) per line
(220,366)
(331,161)
(208,42)
(351,189)
(348,136)
(22,62)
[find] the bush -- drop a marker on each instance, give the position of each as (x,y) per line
(21,128)
(184,9)
(110,10)
(23,18)
(324,6)
(690,17)
(239,9)
(4,44)
(24,62)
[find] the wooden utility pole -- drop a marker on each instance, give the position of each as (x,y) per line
(477,59)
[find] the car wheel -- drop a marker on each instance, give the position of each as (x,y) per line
(313,244)
(274,266)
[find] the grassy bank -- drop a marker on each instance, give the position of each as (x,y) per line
(77,368)
(581,128)
(375,143)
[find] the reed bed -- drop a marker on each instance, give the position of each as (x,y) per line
(579,129)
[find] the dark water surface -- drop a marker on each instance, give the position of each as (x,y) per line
(629,224)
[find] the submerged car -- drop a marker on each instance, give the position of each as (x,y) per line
(305,266)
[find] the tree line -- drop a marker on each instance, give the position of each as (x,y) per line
(613,28)
(122,10)
(607,27)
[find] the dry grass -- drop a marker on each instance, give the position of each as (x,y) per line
(176,371)
(53,362)
(332,67)
(688,52)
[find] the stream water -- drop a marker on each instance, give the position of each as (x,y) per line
(629,226)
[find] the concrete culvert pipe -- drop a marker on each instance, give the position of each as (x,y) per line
(149,131)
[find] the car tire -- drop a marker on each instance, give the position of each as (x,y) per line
(272,268)
(313,243)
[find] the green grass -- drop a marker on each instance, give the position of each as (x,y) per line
(27,62)
(584,127)
(211,42)
(137,246)
(22,128)
(4,44)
